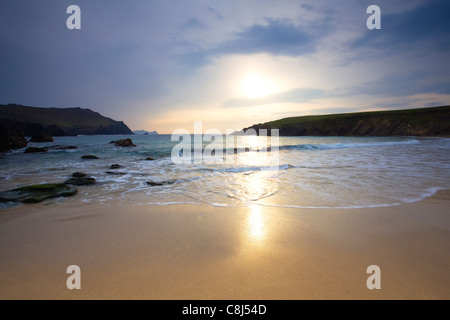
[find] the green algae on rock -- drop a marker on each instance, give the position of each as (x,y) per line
(37,193)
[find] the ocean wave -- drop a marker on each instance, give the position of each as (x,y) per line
(346,145)
(424,195)
(381,174)
(248,169)
(202,202)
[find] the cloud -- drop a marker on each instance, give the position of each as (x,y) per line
(306,7)
(274,37)
(299,95)
(215,13)
(402,85)
(423,25)
(138,59)
(193,24)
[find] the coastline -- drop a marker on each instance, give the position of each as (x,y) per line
(204,252)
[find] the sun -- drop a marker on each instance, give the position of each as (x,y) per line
(256,86)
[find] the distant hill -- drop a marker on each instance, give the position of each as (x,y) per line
(145,132)
(427,122)
(59,122)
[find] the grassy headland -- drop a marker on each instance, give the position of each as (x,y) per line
(413,122)
(68,121)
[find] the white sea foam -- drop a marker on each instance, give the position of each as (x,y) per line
(344,173)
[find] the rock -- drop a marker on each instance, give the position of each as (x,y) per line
(154,184)
(115,166)
(35,150)
(150,159)
(41,138)
(31,129)
(37,193)
(79,175)
(81,181)
(89,157)
(11,139)
(125,143)
(52,147)
(158,184)
(66,148)
(116,173)
(61,147)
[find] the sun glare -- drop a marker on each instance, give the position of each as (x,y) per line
(256,224)
(256,86)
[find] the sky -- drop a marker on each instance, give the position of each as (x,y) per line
(163,64)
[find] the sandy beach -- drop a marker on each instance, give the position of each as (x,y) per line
(205,252)
(225,151)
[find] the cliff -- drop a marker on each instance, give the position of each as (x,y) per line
(11,138)
(59,122)
(426,122)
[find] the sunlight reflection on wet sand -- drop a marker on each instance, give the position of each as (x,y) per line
(257,229)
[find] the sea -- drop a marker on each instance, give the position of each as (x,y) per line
(309,172)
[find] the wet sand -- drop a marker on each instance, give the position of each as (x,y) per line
(203,252)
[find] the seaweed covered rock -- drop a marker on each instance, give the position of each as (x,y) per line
(37,193)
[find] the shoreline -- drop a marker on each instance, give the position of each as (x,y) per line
(65,201)
(205,252)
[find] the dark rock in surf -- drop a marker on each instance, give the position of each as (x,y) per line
(89,157)
(66,148)
(79,175)
(125,143)
(35,150)
(116,173)
(81,181)
(158,184)
(40,138)
(154,184)
(11,138)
